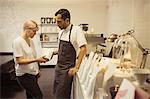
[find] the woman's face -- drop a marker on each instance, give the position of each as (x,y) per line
(31,32)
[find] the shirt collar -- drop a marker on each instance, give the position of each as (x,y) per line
(68,28)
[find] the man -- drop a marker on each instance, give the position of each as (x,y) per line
(26,63)
(71,39)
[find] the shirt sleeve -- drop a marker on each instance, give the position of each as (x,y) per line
(17,49)
(81,40)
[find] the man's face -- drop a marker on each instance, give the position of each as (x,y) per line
(60,22)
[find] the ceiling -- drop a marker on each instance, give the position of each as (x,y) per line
(60,2)
(50,3)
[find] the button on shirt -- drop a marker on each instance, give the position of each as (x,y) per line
(77,38)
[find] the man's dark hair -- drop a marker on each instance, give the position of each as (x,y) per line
(64,14)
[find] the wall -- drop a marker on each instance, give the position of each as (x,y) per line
(105,16)
(124,15)
(15,12)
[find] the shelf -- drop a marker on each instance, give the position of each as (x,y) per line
(93,35)
(49,44)
(95,38)
(48,41)
(49,38)
(49,33)
(50,24)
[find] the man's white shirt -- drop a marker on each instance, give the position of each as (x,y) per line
(77,37)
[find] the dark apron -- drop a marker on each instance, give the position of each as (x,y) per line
(66,60)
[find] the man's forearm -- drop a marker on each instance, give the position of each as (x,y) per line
(81,55)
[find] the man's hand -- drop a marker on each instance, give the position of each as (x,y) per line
(72,71)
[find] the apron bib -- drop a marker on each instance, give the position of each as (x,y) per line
(66,60)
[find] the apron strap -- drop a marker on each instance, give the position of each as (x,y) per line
(69,32)
(61,35)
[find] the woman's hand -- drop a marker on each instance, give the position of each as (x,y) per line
(42,60)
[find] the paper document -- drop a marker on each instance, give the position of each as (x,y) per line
(48,54)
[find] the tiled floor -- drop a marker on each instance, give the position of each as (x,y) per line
(13,91)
